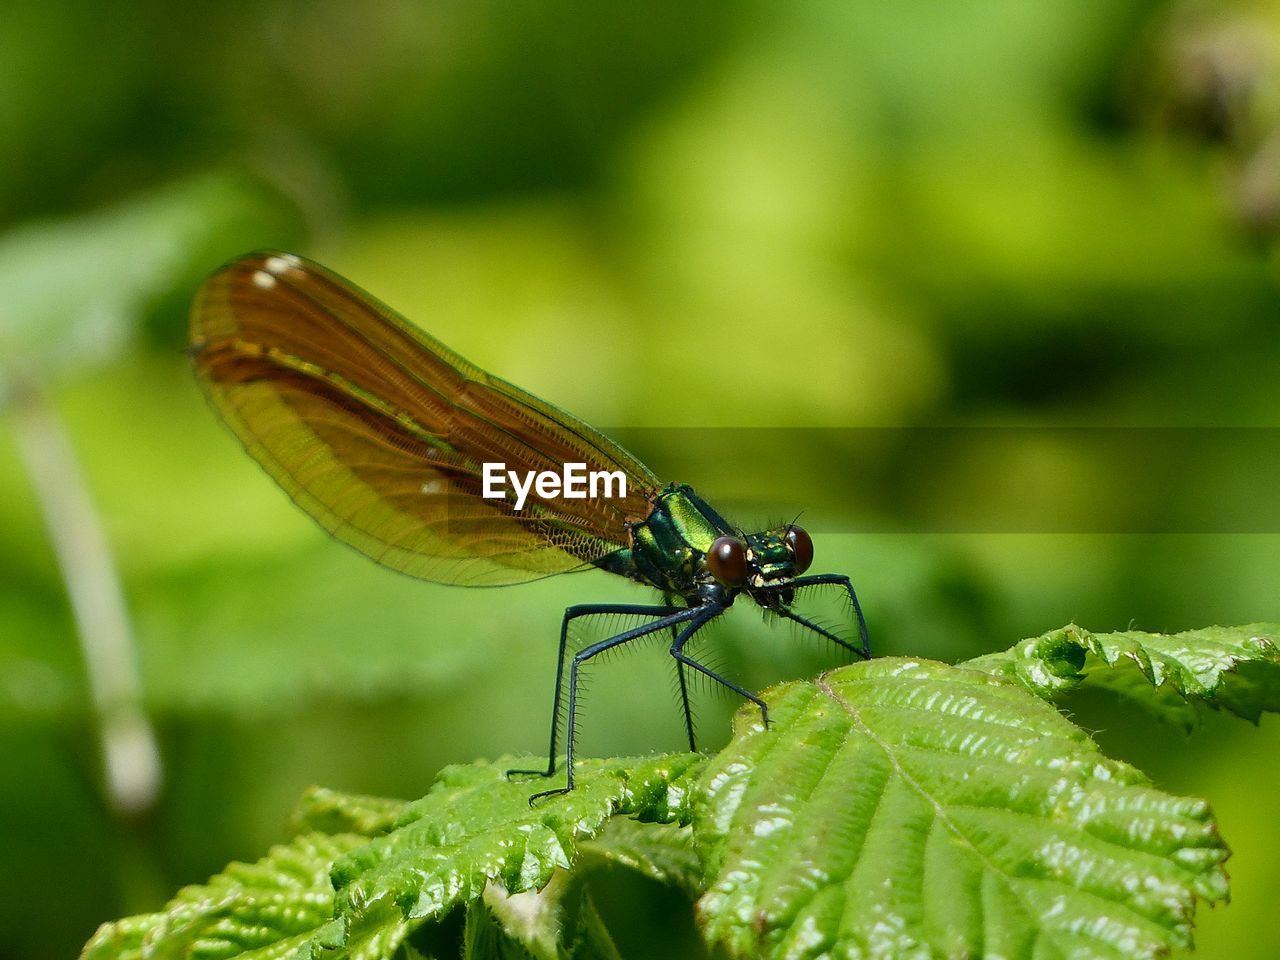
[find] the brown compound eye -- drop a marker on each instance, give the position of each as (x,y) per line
(801,545)
(727,561)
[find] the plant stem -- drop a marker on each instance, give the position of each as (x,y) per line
(132,771)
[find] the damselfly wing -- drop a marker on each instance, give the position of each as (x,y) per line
(379,432)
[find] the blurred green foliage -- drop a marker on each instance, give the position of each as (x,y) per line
(829,214)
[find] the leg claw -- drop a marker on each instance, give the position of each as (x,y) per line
(512,774)
(547,795)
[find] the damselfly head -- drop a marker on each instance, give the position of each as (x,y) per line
(759,560)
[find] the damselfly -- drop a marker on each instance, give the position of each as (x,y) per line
(382,434)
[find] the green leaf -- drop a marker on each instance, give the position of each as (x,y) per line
(904,808)
(329,811)
(484,938)
(1233,668)
(258,911)
(476,826)
(661,851)
(587,938)
(561,920)
(558,922)
(895,808)
(522,926)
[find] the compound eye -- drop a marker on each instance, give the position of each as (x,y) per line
(801,545)
(727,561)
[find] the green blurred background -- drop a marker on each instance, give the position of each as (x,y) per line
(830,214)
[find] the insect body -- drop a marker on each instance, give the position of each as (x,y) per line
(385,437)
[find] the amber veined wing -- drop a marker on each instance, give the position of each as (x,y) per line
(379,432)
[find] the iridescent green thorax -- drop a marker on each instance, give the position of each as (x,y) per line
(667,547)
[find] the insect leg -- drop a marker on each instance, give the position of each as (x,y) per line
(820,630)
(677,651)
(571,614)
(684,694)
(841,580)
(582,656)
(684,700)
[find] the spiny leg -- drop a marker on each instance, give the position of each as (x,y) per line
(677,651)
(684,692)
(582,656)
(684,700)
(571,614)
(840,579)
(820,630)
